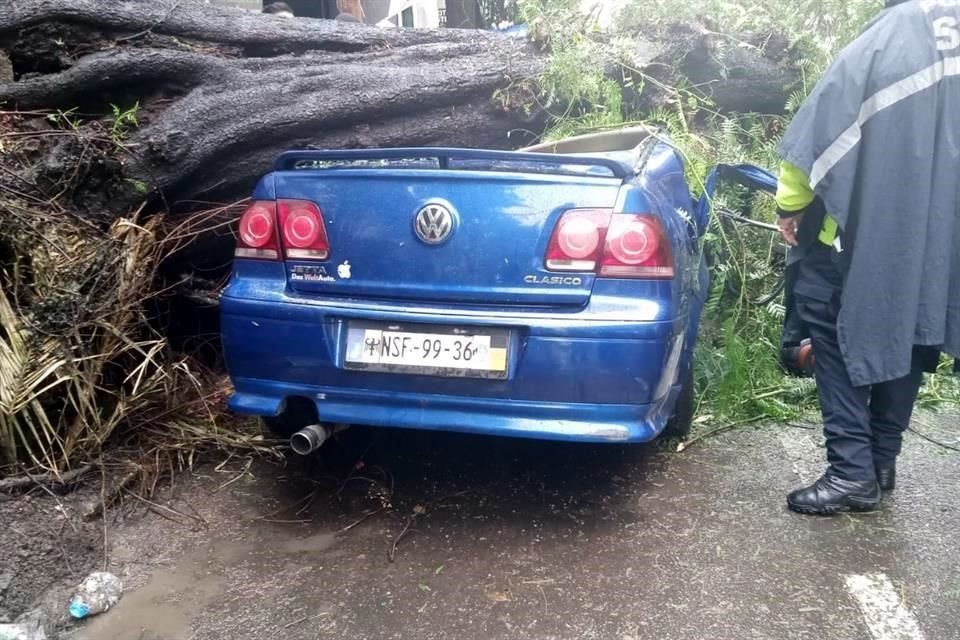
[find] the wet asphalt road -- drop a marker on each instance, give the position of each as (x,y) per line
(518,539)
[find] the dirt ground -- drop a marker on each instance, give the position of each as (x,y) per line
(494,538)
(43,544)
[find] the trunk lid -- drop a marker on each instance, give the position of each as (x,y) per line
(465,226)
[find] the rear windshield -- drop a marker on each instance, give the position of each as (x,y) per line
(526,166)
(463,164)
(376,163)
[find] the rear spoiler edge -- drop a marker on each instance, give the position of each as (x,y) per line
(288,159)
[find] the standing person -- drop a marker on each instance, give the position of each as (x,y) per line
(281,9)
(350,11)
(869,194)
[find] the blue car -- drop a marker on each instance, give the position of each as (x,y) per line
(551,293)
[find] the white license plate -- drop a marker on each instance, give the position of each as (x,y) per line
(426,350)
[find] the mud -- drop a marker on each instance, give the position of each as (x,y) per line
(43,543)
(527,540)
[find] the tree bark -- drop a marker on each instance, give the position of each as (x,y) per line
(222,91)
(211,119)
(206,23)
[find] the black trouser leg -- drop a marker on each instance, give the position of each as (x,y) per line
(794,330)
(891,406)
(863,425)
(845,408)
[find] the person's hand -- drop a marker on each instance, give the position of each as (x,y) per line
(788,228)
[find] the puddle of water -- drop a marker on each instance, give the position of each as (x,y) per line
(164,608)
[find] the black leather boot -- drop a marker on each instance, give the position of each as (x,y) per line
(830,495)
(887,477)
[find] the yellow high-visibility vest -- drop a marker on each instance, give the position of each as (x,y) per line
(794,194)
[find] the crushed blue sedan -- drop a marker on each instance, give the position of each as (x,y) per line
(550,293)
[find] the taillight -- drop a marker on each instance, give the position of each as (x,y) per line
(615,245)
(295,225)
(578,240)
(302,231)
(257,237)
(636,247)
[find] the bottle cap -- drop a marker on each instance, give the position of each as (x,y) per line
(79,609)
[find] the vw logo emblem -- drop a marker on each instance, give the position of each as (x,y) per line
(433,223)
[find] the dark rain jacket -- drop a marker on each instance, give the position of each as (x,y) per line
(879,138)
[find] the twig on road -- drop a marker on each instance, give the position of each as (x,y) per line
(418,510)
(305,618)
(277,512)
(60,506)
(683,446)
(295,622)
(285,521)
(159,509)
(357,523)
(63,551)
(539,585)
(239,476)
(309,503)
(933,441)
(26,480)
(101,507)
(108,497)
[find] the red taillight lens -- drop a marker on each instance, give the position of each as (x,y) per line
(636,248)
(257,237)
(577,240)
(302,231)
(616,245)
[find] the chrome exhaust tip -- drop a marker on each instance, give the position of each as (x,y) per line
(309,439)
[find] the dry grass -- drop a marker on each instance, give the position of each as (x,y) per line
(81,364)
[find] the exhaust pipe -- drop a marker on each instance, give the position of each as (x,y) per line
(309,439)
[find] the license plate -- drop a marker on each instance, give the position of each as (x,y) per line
(428,350)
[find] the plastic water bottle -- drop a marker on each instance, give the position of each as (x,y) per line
(97,593)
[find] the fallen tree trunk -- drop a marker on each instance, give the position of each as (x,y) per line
(220,92)
(123,124)
(203,22)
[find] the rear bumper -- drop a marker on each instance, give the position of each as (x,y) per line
(546,421)
(572,376)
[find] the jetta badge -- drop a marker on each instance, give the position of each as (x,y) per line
(433,223)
